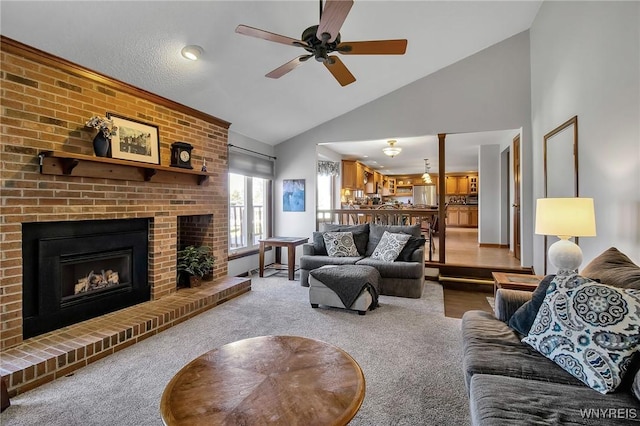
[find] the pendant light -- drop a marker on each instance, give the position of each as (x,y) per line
(426,177)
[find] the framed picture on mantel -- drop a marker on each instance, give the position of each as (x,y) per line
(135,140)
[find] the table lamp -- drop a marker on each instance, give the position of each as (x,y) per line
(565,218)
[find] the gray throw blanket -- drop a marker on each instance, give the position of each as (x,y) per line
(348,281)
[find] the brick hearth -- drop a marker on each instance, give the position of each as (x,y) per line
(49,356)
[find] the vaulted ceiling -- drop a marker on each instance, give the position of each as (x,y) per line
(139,42)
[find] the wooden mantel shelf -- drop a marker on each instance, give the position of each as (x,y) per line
(69,164)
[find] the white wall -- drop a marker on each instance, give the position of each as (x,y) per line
(486,91)
(585,61)
(248,263)
(489,188)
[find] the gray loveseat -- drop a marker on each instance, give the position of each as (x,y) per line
(404,278)
(509,382)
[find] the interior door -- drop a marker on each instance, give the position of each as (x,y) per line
(516,197)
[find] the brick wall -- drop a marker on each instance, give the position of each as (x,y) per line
(45,102)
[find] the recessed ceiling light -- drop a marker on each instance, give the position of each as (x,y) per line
(191,52)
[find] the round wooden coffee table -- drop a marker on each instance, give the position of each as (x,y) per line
(287,380)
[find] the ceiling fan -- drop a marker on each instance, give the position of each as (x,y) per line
(322,39)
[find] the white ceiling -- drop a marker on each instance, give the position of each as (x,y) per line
(139,42)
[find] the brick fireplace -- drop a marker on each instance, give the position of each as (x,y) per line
(45,103)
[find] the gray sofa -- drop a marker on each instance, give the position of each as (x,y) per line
(509,382)
(404,278)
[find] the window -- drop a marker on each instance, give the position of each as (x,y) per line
(248,208)
(328,171)
(250,201)
(325,195)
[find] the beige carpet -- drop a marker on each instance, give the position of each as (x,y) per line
(409,351)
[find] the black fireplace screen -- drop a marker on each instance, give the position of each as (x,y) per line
(73,271)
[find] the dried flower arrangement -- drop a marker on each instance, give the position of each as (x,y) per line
(104,125)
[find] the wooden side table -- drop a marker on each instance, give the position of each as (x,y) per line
(266,380)
(513,281)
(278,242)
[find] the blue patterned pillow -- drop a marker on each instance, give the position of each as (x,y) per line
(591,330)
(340,244)
(390,246)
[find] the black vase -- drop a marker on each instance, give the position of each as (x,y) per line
(101,145)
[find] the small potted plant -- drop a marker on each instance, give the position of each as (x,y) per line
(106,129)
(194,262)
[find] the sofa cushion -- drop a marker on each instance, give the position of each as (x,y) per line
(590,329)
(613,268)
(340,244)
(523,318)
(376,232)
(501,400)
(318,243)
(312,262)
(491,347)
(390,246)
(403,270)
(412,245)
(360,233)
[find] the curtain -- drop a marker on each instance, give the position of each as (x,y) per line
(328,168)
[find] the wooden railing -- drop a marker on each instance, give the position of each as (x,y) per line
(426,218)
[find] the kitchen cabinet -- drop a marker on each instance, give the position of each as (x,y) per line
(473,217)
(473,184)
(377,178)
(349,174)
(462,216)
(391,186)
(452,216)
(352,175)
(359,176)
(462,185)
(457,185)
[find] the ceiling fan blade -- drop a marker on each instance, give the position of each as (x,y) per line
(333,16)
(339,71)
(374,47)
(289,66)
(266,35)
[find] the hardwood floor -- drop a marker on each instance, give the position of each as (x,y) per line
(462,248)
(457,302)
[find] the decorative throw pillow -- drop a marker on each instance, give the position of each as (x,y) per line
(340,244)
(360,233)
(376,231)
(390,246)
(614,268)
(412,245)
(591,330)
(319,249)
(523,318)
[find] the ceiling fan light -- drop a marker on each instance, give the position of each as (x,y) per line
(391,150)
(191,52)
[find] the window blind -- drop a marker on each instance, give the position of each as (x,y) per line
(247,164)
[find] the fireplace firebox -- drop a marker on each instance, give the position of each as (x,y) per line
(73,271)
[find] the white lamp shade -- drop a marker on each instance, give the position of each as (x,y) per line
(565,217)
